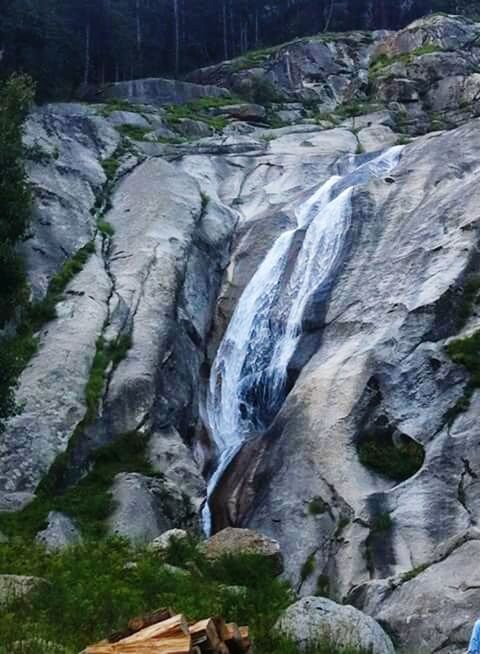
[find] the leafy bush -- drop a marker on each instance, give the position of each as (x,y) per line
(317,506)
(397,462)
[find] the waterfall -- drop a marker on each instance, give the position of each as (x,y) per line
(248,380)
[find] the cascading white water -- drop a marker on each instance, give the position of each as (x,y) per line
(248,380)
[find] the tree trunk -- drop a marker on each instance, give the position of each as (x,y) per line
(86,76)
(176,18)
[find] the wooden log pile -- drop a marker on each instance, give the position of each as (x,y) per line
(163,632)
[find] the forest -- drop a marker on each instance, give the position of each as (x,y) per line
(67,45)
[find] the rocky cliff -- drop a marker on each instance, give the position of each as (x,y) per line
(353,172)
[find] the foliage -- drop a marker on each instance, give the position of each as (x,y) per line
(395,461)
(93,592)
(383,61)
(89,502)
(414,572)
(466,352)
(317,506)
(106,354)
(308,568)
(17,350)
(382,522)
(134,132)
(16,96)
(202,109)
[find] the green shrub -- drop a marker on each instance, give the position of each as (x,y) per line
(383,61)
(316,506)
(105,228)
(397,462)
(118,105)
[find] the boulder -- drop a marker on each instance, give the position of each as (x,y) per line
(159,91)
(130,118)
(317,617)
(161,544)
(14,587)
(376,138)
(193,128)
(59,533)
(246,112)
(244,541)
(146,507)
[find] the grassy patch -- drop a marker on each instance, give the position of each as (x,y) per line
(134,132)
(397,462)
(106,355)
(118,105)
(308,568)
(381,63)
(92,593)
(317,506)
(89,502)
(381,523)
(105,228)
(414,572)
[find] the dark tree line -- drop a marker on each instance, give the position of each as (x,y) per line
(64,44)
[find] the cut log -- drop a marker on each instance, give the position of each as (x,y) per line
(176,626)
(222,649)
(221,627)
(205,632)
(234,640)
(244,632)
(168,645)
(143,621)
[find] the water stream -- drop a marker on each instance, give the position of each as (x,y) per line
(248,380)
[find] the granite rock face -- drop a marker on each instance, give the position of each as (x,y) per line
(59,533)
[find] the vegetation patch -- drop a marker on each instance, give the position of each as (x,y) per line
(107,355)
(17,350)
(317,506)
(134,132)
(382,522)
(201,110)
(92,592)
(396,461)
(414,572)
(382,62)
(118,105)
(89,503)
(308,568)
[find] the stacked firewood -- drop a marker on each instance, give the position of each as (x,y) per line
(163,632)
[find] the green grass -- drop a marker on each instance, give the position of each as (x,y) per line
(381,63)
(466,352)
(106,354)
(394,462)
(105,228)
(91,594)
(414,572)
(89,502)
(317,506)
(118,105)
(199,110)
(308,568)
(381,523)
(134,132)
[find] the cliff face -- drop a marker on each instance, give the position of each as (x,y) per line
(335,419)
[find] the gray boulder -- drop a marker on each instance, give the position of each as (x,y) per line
(14,587)
(314,618)
(193,128)
(146,507)
(159,91)
(246,112)
(59,533)
(131,118)
(244,541)
(161,544)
